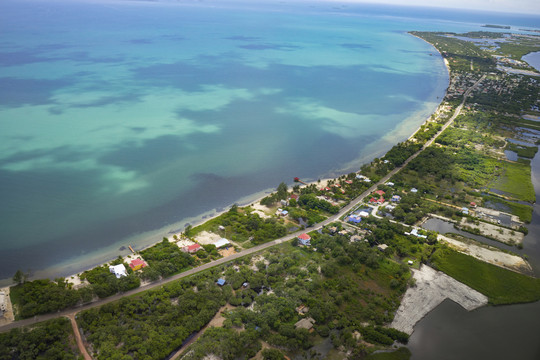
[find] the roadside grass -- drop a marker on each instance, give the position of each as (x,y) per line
(516,180)
(499,285)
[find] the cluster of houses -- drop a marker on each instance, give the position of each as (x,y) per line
(120,270)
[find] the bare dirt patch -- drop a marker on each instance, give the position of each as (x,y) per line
(207,238)
(432,288)
(496,232)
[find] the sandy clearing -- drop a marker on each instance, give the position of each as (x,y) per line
(206,238)
(184,242)
(489,254)
(8,316)
(497,232)
(432,288)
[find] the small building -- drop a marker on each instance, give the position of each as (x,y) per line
(363,213)
(380,192)
(332,229)
(304,239)
(382,247)
(302,309)
(389,183)
(386,161)
(221,243)
(293,197)
(284,213)
(473,205)
(284,202)
(414,232)
(410,262)
(192,249)
(221,227)
(306,323)
(396,198)
(348,182)
(356,238)
(414,190)
(465,210)
(137,264)
(381,201)
(355,219)
(220,282)
(118,270)
(372,200)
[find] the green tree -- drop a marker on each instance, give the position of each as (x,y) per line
(272,354)
(19,277)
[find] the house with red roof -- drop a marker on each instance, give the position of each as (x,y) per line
(304,239)
(372,200)
(380,192)
(191,249)
(137,264)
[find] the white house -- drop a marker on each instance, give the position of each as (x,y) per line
(118,270)
(221,242)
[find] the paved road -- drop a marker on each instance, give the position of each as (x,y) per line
(343,211)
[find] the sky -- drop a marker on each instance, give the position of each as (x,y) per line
(514,6)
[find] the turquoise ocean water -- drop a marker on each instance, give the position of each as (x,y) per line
(122,121)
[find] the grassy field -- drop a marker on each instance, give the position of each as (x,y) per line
(516,180)
(499,285)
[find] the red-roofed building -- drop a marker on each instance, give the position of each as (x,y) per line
(304,239)
(348,181)
(192,249)
(293,196)
(137,264)
(380,192)
(372,200)
(380,201)
(473,204)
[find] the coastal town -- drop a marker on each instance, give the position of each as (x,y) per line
(333,268)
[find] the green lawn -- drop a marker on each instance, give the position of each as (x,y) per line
(499,285)
(516,180)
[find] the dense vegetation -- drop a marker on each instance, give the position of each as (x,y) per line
(152,325)
(43,296)
(50,340)
(499,285)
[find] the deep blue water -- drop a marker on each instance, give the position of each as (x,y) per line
(122,121)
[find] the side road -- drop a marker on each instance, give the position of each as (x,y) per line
(343,211)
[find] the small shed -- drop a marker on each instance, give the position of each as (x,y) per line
(220,282)
(306,323)
(382,247)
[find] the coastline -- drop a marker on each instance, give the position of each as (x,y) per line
(75,265)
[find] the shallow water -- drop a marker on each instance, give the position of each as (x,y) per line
(122,121)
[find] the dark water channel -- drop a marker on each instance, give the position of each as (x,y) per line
(501,332)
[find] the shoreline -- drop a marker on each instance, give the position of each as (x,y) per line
(75,265)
